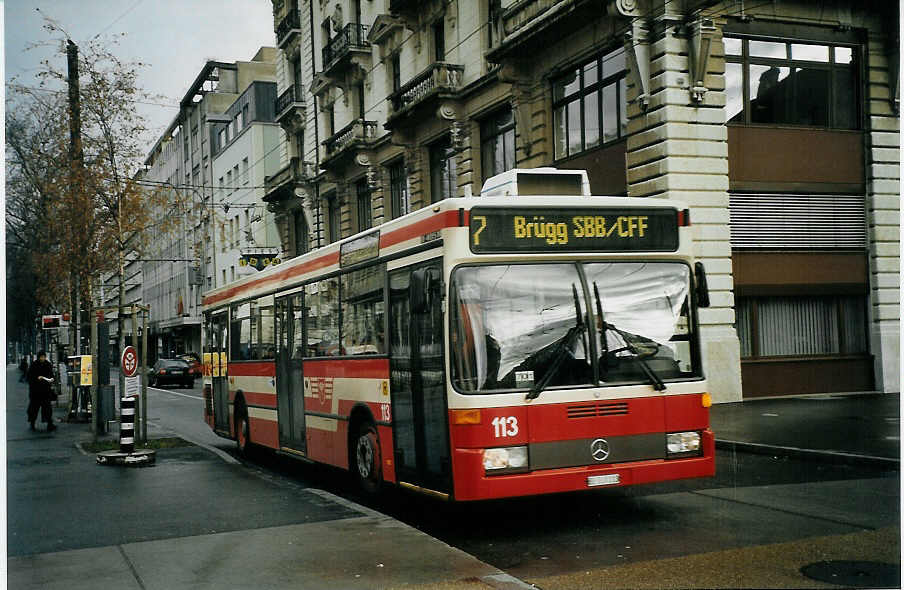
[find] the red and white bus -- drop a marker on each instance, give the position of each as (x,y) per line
(530,340)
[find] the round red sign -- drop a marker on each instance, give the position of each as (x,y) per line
(129,361)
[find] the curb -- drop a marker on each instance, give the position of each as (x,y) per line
(811,454)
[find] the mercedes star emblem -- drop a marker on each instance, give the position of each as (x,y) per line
(599,449)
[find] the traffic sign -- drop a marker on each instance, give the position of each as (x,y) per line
(129,361)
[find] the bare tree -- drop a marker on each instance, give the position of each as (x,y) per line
(76,223)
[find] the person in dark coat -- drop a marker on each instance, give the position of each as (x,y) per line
(40,394)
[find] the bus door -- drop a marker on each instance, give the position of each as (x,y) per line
(289,376)
(420,417)
(219,368)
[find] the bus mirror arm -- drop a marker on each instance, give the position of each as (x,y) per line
(701,288)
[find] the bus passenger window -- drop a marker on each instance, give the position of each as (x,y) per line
(240,332)
(323,318)
(266,332)
(362,311)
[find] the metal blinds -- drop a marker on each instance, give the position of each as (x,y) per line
(798,221)
(801,326)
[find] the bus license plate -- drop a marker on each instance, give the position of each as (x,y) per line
(602,480)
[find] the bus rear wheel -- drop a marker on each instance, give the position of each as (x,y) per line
(367,461)
(242,431)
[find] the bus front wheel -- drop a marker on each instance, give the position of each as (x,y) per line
(367,462)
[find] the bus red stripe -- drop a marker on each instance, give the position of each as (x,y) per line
(260,399)
(251,369)
(403,234)
(361,369)
(288,273)
(416,230)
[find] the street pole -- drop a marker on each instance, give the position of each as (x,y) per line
(135,343)
(76,155)
(144,375)
(94,410)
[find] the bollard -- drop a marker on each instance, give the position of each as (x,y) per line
(127,455)
(127,426)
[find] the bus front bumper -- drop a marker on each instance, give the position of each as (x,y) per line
(472,483)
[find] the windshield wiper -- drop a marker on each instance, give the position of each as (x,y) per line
(561,350)
(604,344)
(640,357)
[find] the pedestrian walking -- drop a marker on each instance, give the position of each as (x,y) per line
(40,393)
(23,368)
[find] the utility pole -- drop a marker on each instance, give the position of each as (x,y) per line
(76,157)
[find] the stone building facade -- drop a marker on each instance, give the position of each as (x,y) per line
(186,161)
(777,123)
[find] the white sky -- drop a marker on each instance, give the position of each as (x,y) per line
(175,37)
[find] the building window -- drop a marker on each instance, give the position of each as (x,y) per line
(245,114)
(396,73)
(235,176)
(805,326)
(398,189)
(296,77)
(443,173)
(331,119)
(302,236)
(229,180)
(222,138)
(245,170)
(299,144)
(239,122)
(359,95)
(332,216)
(362,198)
(439,40)
(786,83)
(589,105)
(497,143)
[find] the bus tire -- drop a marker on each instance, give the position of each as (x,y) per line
(366,457)
(242,430)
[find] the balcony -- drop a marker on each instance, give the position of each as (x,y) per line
(281,186)
(351,40)
(357,134)
(530,24)
(290,109)
(288,26)
(440,80)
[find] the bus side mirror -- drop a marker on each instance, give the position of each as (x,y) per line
(424,284)
(702,289)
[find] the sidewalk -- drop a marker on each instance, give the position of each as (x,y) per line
(842,428)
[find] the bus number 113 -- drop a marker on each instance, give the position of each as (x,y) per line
(505,426)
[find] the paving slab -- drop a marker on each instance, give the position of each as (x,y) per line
(101,567)
(837,501)
(851,426)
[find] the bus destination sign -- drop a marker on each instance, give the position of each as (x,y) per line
(573,230)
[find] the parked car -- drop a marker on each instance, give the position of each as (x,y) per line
(194,363)
(171,372)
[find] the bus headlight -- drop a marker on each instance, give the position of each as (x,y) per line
(505,459)
(683,443)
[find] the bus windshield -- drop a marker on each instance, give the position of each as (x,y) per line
(531,326)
